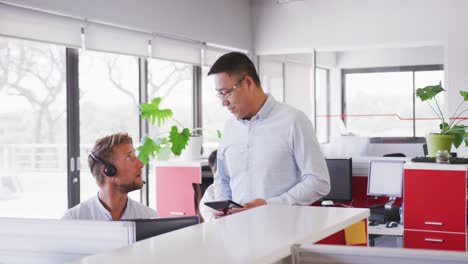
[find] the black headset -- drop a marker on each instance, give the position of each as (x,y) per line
(109,169)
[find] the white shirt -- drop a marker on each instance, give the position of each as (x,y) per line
(205,211)
(92,209)
(274,156)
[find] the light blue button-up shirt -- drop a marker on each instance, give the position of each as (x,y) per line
(93,209)
(274,156)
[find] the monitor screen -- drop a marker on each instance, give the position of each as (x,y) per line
(146,228)
(385,178)
(341,173)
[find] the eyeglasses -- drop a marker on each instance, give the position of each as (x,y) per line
(228,92)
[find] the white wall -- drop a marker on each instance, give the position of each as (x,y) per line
(224,22)
(343,24)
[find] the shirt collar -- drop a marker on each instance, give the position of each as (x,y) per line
(104,211)
(266,108)
(264,111)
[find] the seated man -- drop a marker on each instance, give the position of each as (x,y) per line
(205,211)
(117,171)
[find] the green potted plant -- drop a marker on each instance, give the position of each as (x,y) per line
(175,140)
(452,132)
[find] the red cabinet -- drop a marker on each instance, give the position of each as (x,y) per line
(435,206)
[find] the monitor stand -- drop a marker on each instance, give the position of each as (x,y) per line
(327,203)
(390,202)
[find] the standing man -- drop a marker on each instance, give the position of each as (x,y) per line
(117,171)
(268,152)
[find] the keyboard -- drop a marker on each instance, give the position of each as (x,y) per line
(452,160)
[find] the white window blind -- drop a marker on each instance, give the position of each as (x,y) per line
(105,38)
(35,25)
(212,54)
(46,26)
(176,50)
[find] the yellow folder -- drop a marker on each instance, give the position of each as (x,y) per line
(356,233)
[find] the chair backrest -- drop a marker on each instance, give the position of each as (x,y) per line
(425,149)
(395,155)
(146,228)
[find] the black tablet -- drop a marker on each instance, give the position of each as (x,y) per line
(223,205)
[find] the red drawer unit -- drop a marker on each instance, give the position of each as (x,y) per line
(435,206)
(434,240)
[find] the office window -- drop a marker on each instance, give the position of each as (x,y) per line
(33,165)
(214,114)
(108,104)
(323,102)
(173,81)
(379,102)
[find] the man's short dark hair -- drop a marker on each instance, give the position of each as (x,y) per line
(235,63)
(212,159)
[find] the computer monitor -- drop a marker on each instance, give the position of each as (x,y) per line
(385,179)
(146,228)
(341,173)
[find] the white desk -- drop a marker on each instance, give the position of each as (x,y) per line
(261,235)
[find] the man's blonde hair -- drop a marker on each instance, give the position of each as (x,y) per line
(103,148)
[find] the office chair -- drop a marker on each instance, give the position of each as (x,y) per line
(425,149)
(394,155)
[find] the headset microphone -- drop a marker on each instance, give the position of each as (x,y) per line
(144,182)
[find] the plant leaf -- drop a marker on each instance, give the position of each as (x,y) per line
(458,138)
(152,111)
(149,148)
(179,140)
(444,127)
(429,92)
(219,133)
(465,95)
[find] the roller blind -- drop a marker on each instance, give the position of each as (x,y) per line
(176,50)
(212,54)
(45,26)
(34,25)
(101,37)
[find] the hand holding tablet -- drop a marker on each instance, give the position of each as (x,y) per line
(223,205)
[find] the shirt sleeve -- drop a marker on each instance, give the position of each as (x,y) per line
(314,180)
(222,179)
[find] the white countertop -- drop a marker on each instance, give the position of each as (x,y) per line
(261,235)
(435,166)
